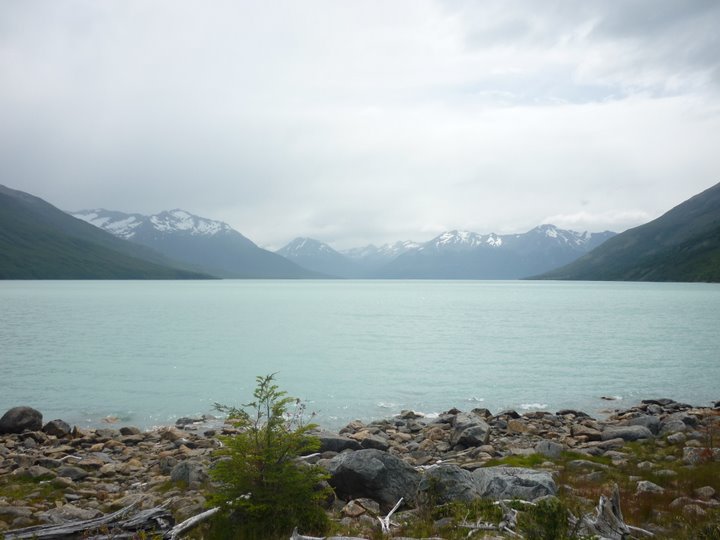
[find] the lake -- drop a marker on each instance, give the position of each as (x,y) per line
(147,352)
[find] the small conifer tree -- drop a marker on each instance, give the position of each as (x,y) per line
(263,489)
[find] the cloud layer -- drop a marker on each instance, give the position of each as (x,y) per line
(357,122)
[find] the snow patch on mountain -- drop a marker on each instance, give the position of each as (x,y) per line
(169,222)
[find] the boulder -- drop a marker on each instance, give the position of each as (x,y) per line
(626,433)
(469,429)
(373,441)
(670,426)
(645,486)
(514,483)
(191,473)
(647,420)
(373,474)
(446,483)
(19,419)
(332,442)
(57,428)
(71,472)
(549,449)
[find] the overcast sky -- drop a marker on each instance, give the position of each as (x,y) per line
(356,122)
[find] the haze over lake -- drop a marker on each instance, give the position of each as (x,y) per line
(149,352)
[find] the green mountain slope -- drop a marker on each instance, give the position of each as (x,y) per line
(681,245)
(39,241)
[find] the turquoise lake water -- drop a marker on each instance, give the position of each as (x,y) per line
(148,352)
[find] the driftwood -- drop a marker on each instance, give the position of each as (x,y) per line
(114,526)
(607,522)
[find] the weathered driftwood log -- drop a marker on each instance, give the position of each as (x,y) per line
(114,525)
(607,522)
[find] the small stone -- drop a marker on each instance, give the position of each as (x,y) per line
(705,493)
(645,486)
(353,509)
(74,473)
(693,511)
(645,465)
(517,426)
(37,472)
(677,438)
(130,430)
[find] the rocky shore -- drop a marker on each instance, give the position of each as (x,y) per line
(662,455)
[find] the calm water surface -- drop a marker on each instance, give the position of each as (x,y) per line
(150,351)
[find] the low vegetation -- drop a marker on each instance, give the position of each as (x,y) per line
(262,488)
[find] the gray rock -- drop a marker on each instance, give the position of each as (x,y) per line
(189,472)
(37,472)
(19,419)
(549,449)
(74,473)
(645,486)
(695,456)
(447,483)
(130,430)
(677,438)
(648,421)
(705,493)
(67,513)
(514,482)
(670,426)
(12,512)
(373,441)
(332,442)
(627,433)
(373,474)
(687,419)
(469,429)
(58,428)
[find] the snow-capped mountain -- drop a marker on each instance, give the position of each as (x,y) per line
(372,257)
(462,240)
(172,221)
(320,257)
(206,244)
(468,255)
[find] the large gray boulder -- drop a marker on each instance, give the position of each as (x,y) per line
(514,483)
(649,421)
(373,474)
(19,419)
(626,433)
(447,483)
(469,429)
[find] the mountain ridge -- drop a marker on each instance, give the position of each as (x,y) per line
(681,245)
(455,254)
(210,245)
(40,241)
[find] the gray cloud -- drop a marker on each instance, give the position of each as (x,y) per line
(359,122)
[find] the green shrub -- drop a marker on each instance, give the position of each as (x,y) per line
(264,491)
(547,520)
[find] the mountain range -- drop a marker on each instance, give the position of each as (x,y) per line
(681,245)
(207,245)
(451,255)
(39,241)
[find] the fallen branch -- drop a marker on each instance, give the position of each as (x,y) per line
(189,523)
(385,522)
